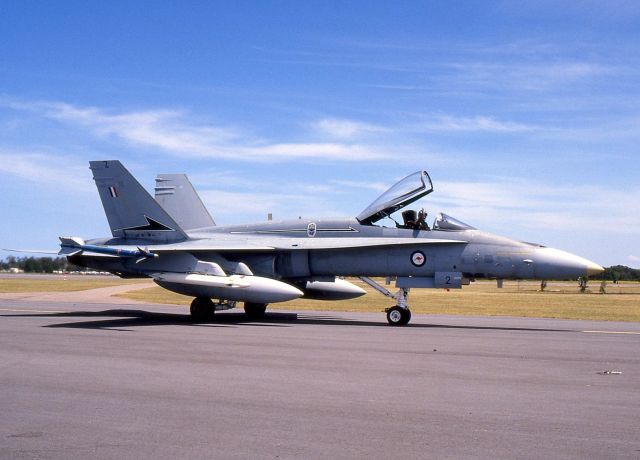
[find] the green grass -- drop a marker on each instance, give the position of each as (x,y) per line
(60,284)
(560,300)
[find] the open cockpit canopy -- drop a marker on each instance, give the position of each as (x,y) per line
(411,188)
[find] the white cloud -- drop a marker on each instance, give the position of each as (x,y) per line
(334,151)
(377,186)
(255,205)
(503,206)
(478,123)
(344,129)
(505,202)
(521,75)
(172,132)
(46,169)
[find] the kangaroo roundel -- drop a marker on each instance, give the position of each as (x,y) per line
(418,259)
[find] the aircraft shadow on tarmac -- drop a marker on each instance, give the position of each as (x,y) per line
(121,319)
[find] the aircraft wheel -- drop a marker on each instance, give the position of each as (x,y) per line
(397,316)
(406,316)
(202,309)
(255,311)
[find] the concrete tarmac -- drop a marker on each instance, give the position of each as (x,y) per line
(141,381)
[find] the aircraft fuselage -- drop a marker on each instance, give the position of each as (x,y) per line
(475,254)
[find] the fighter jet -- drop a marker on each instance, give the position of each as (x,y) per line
(173,240)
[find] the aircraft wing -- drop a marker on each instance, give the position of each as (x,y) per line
(211,246)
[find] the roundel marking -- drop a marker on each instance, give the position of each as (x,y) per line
(418,259)
(311,230)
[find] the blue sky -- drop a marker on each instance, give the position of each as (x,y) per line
(527,116)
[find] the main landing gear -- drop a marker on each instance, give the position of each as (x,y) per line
(203,308)
(255,311)
(398,315)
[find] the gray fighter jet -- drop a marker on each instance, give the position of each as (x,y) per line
(173,240)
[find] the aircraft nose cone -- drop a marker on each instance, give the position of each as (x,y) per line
(552,263)
(594,269)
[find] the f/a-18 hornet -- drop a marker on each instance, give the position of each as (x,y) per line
(173,240)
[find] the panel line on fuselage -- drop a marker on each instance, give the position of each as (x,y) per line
(296,230)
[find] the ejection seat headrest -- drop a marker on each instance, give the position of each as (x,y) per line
(409,214)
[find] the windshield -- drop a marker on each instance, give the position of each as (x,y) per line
(404,192)
(445,222)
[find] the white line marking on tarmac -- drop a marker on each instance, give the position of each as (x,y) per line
(32,311)
(612,332)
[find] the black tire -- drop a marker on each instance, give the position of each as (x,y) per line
(202,309)
(397,316)
(406,316)
(255,311)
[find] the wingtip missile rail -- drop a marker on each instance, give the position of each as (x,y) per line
(71,246)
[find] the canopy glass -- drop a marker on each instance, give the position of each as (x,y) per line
(411,188)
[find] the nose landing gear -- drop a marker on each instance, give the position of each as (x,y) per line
(398,315)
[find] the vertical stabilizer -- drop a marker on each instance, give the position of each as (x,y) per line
(130,210)
(177,196)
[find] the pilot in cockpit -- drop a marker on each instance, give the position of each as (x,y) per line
(409,218)
(413,221)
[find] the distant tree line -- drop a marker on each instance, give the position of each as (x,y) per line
(619,273)
(39,264)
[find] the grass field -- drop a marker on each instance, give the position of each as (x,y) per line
(559,300)
(60,283)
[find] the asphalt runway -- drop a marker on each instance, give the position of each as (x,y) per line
(137,381)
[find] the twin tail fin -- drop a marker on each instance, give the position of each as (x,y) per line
(131,211)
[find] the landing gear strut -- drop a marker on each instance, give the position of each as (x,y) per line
(255,311)
(399,315)
(202,309)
